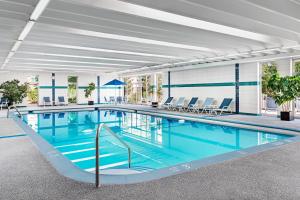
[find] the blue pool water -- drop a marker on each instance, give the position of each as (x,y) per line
(156,142)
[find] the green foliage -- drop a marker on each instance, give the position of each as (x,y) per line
(268,72)
(33,94)
(72,91)
(14,91)
(72,79)
(297,68)
(88,91)
(72,100)
(147,88)
(284,89)
(159,87)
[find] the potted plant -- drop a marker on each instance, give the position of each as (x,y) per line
(14,91)
(284,90)
(88,93)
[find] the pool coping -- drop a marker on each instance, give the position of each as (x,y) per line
(66,168)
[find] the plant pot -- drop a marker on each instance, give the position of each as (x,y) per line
(90,102)
(154,104)
(287,115)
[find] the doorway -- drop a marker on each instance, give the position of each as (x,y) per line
(72,89)
(33,92)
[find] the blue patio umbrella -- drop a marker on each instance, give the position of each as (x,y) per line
(115,82)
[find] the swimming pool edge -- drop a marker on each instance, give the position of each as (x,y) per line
(64,166)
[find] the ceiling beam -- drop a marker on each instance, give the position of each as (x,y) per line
(241,11)
(155,14)
(127,38)
(213,61)
(101,50)
(37,11)
(280,7)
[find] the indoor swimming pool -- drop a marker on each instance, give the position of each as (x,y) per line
(156,142)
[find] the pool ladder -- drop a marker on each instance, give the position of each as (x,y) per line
(13,107)
(99,129)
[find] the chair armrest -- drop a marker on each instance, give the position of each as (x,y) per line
(211,107)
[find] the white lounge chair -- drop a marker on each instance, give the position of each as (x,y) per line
(224,107)
(168,103)
(179,104)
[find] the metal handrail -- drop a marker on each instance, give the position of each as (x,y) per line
(100,127)
(10,107)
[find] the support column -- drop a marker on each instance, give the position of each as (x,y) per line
(53,88)
(237,88)
(291,69)
(98,89)
(169,84)
(259,88)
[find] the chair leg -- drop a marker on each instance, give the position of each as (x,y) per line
(221,112)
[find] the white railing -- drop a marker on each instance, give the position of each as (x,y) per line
(99,129)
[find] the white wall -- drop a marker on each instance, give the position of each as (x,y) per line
(45,84)
(61,83)
(283,67)
(83,81)
(249,95)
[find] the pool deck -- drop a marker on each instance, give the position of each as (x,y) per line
(272,174)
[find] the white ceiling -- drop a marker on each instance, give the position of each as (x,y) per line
(135,35)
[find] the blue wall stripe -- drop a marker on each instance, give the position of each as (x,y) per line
(251,83)
(53,87)
(98,89)
(80,87)
(50,87)
(101,87)
(224,84)
(237,88)
(169,84)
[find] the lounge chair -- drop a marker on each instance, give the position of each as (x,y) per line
(46,116)
(112,100)
(192,104)
(271,105)
(3,102)
(124,100)
(119,100)
(207,104)
(168,103)
(179,104)
(225,106)
(61,101)
(61,115)
(47,101)
(106,101)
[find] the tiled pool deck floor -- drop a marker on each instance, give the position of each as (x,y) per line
(273,174)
